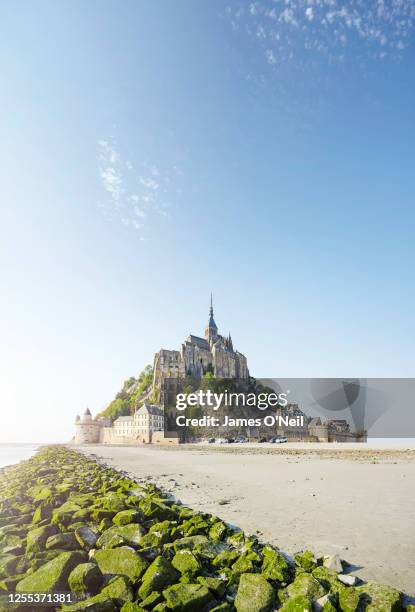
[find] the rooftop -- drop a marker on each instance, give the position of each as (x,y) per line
(122,419)
(150,409)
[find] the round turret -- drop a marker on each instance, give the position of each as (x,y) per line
(87,430)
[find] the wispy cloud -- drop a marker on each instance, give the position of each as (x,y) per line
(134,193)
(288,28)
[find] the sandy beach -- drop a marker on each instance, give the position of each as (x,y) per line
(357,502)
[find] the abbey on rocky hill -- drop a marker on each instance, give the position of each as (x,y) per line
(197,356)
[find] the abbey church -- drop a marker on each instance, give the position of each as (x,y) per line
(197,356)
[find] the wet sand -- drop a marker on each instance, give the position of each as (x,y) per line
(358,502)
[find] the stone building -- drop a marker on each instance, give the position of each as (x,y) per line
(88,430)
(138,428)
(334,430)
(142,425)
(213,353)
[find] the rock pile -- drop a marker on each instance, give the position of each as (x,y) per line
(70,524)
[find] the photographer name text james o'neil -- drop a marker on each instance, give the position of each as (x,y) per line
(227,421)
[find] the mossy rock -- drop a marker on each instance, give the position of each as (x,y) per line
(215,585)
(119,588)
(307,586)
(297,604)
(41,493)
(218,531)
(81,515)
(161,607)
(85,579)
(162,527)
(225,558)
(63,514)
(99,514)
(155,539)
(186,563)
(123,561)
(379,598)
(195,526)
(243,565)
(159,533)
(9,583)
(275,566)
(157,577)
(52,576)
(9,541)
(306,560)
(157,510)
(121,534)
(38,559)
(14,550)
(84,500)
(125,517)
(209,549)
(42,512)
(349,599)
(36,538)
(189,542)
(132,606)
(330,605)
(236,540)
(98,603)
(187,597)
(254,594)
(62,541)
(11,565)
(86,536)
(152,600)
(113,502)
(328,578)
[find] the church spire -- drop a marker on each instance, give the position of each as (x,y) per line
(211,330)
(211,319)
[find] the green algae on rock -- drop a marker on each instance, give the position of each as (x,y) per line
(254,594)
(157,577)
(85,579)
(187,597)
(53,576)
(121,561)
(379,598)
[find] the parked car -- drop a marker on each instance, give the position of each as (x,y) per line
(278,440)
(241,440)
(211,441)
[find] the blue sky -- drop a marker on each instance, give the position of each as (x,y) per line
(153,152)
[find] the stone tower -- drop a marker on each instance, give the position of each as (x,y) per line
(86,429)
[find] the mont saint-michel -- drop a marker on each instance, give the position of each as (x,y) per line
(141,411)
(197,356)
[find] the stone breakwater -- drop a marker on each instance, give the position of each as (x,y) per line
(70,524)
